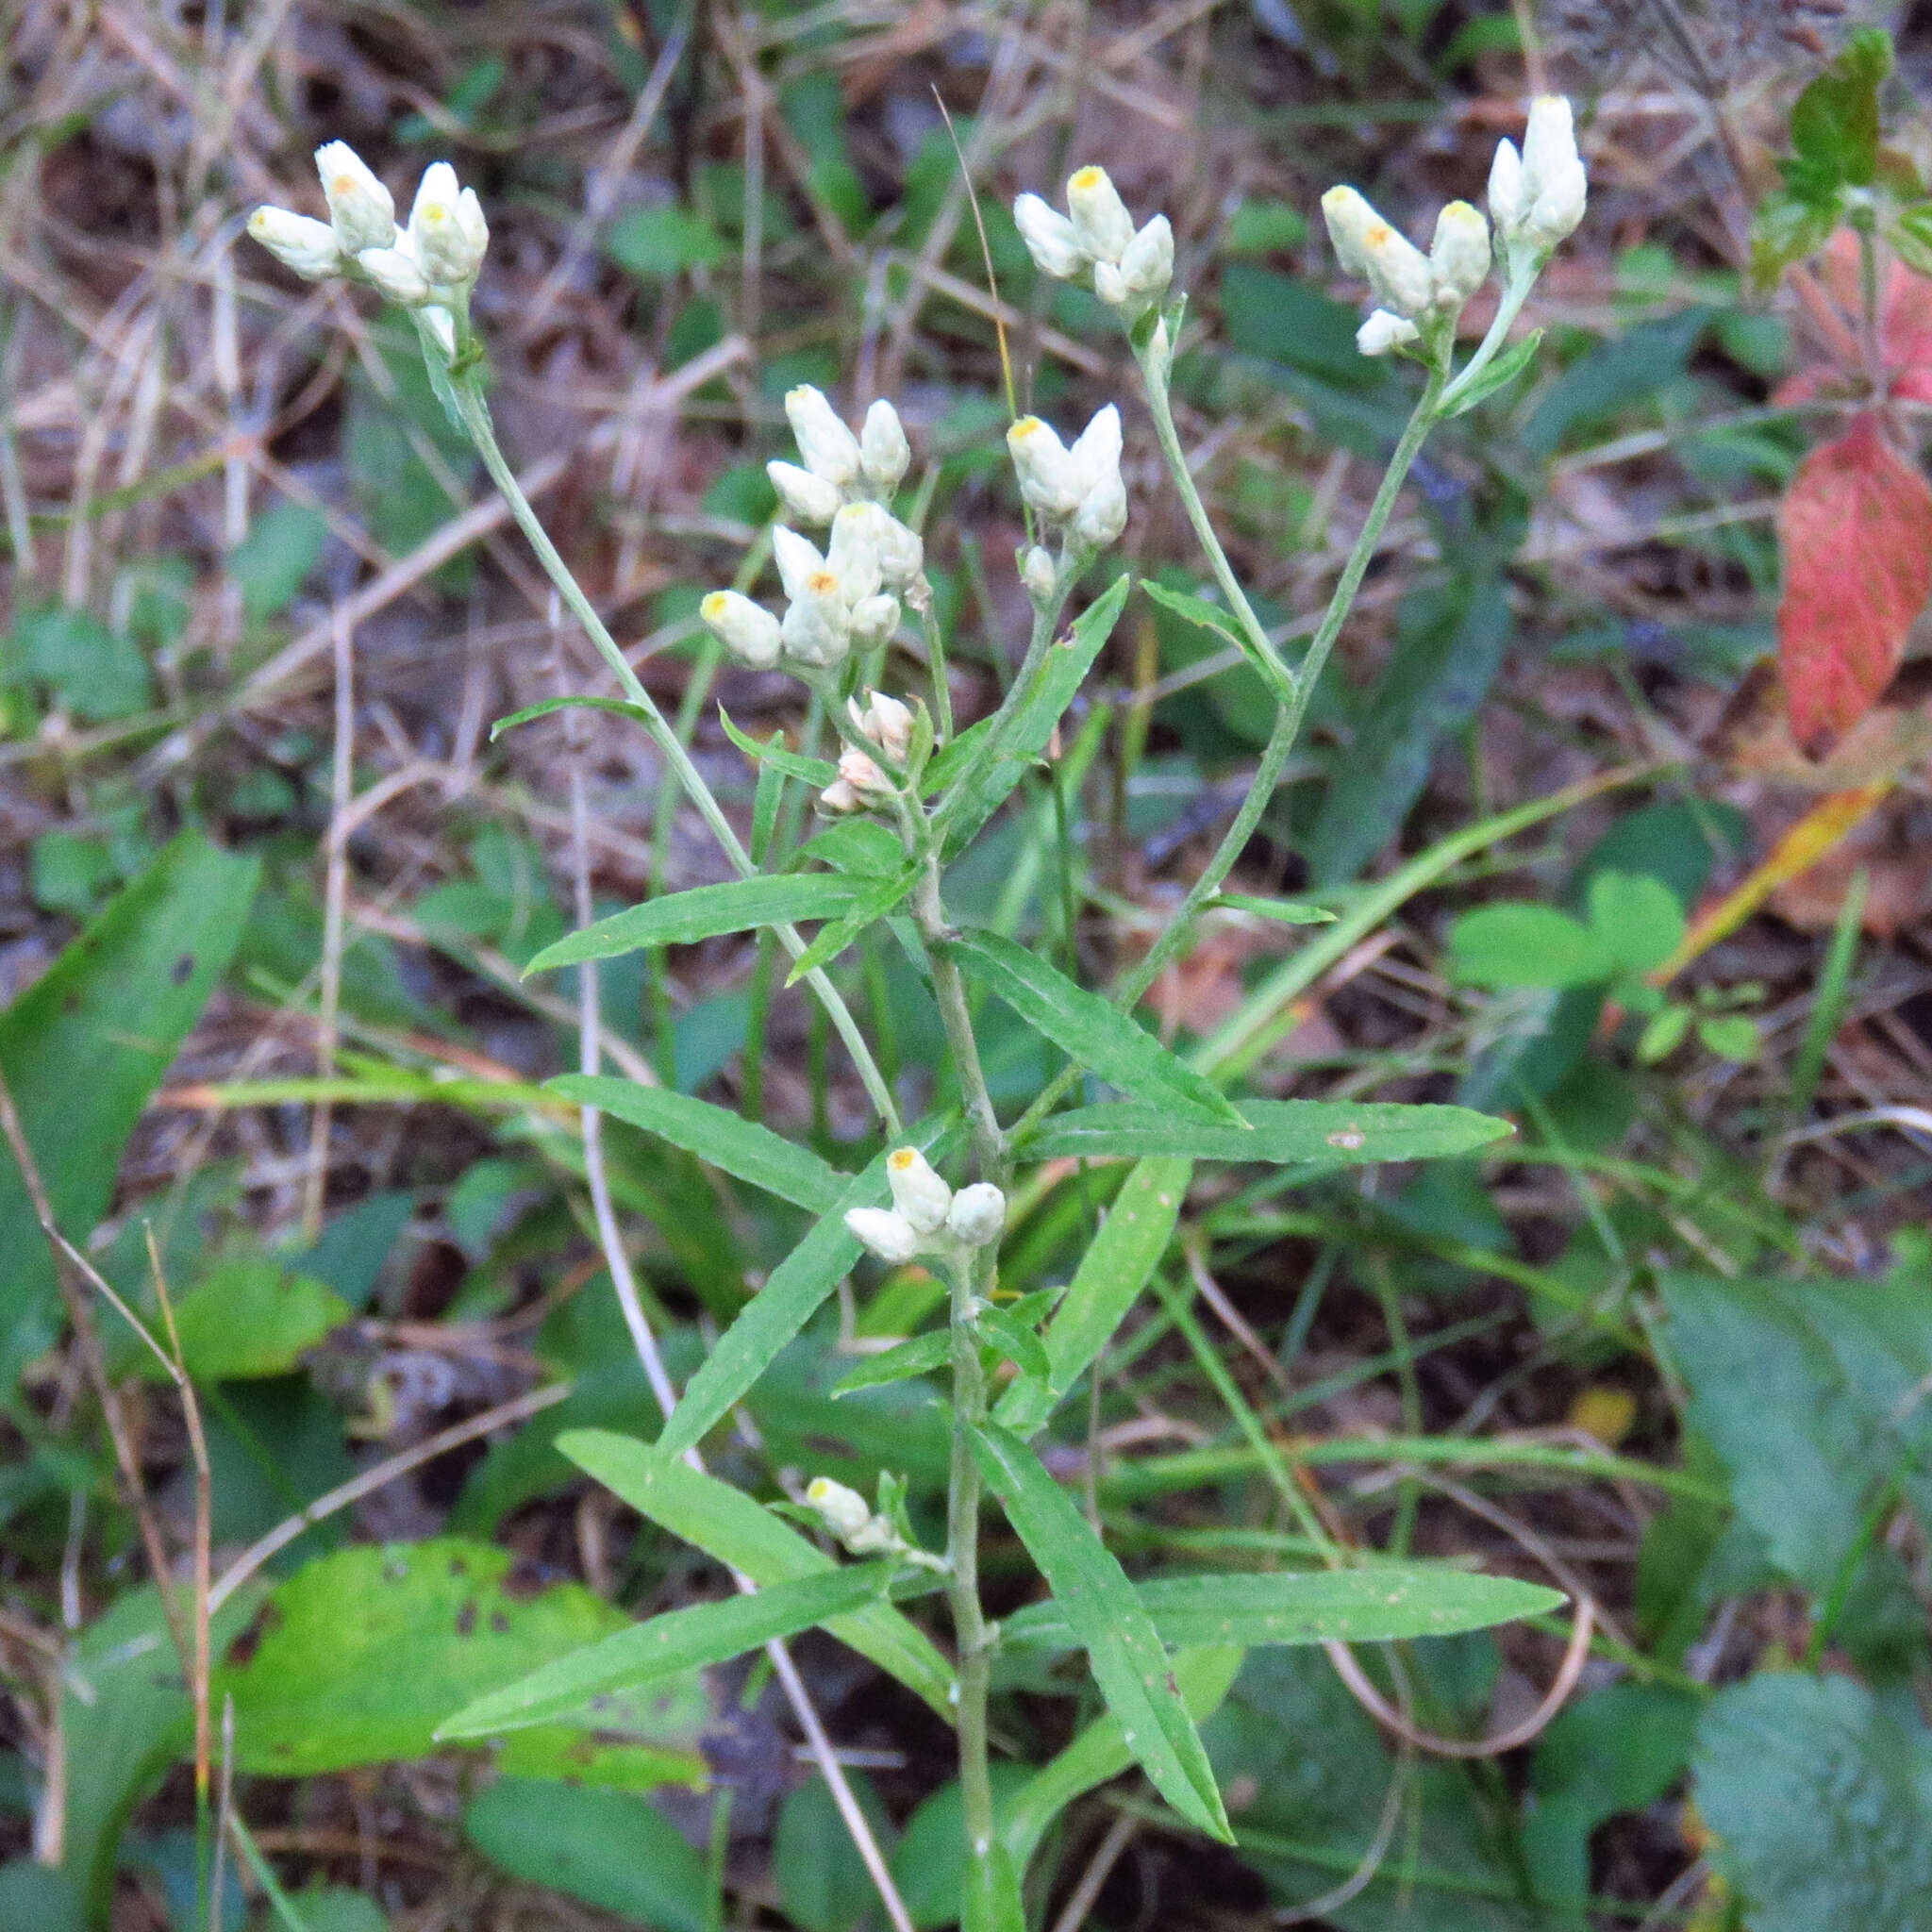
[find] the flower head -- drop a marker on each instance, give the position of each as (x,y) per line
(1383,333)
(884,453)
(885,1232)
(977,1215)
(1459,255)
(805,498)
(395,274)
(829,448)
(311,248)
(360,209)
(447,228)
(747,630)
(1102,224)
(887,722)
(1096,242)
(918,1193)
(1080,487)
(843,1511)
(1537,197)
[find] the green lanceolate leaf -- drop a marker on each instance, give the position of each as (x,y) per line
(1095,1034)
(815,772)
(1319,1133)
(664,1646)
(1500,373)
(621,706)
(1123,1648)
(1288,911)
(1019,1345)
(918,1357)
(876,898)
(779,1309)
(726,1139)
(732,1529)
(703,913)
(1112,1274)
(1196,610)
(1373,1605)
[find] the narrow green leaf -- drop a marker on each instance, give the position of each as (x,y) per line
(1375,1606)
(1020,1346)
(992,1894)
(921,1355)
(726,1139)
(702,913)
(1500,373)
(873,901)
(1094,1033)
(818,773)
(1288,911)
(1125,1655)
(663,1647)
(623,706)
(1196,610)
(1322,1133)
(732,1529)
(1112,1274)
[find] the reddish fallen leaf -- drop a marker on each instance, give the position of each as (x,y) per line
(1856,529)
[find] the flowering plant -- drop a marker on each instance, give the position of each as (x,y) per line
(923,791)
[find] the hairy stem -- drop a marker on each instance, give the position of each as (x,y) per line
(969,1630)
(476,423)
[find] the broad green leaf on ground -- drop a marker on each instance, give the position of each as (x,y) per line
(788,1300)
(1122,1649)
(822,1883)
(1821,1801)
(1111,1275)
(681,919)
(335,1908)
(606,1848)
(729,1526)
(282,547)
(117,1004)
(667,1646)
(360,1654)
(714,1134)
(1856,533)
(1813,1394)
(124,1718)
(999,764)
(1319,1133)
(1308,1774)
(96,674)
(1372,1606)
(1513,944)
(1102,1752)
(1092,1031)
(1617,1749)
(1635,917)
(250,1317)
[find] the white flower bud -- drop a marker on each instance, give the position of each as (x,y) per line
(1050,239)
(918,1193)
(297,242)
(802,497)
(1383,333)
(1102,513)
(1349,218)
(900,553)
(1147,266)
(1398,271)
(1110,284)
(1459,255)
(1096,454)
(396,275)
(884,1230)
(883,451)
(1048,480)
(747,630)
(360,209)
(836,801)
(853,556)
(447,228)
(865,777)
(798,559)
(829,448)
(874,620)
(1101,223)
(1505,187)
(843,1511)
(1039,572)
(888,723)
(817,627)
(978,1214)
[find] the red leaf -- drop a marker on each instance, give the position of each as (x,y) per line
(1856,531)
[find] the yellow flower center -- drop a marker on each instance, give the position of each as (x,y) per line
(1088,178)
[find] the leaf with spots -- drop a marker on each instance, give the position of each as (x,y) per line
(1107,1618)
(667,1646)
(1856,529)
(360,1654)
(1373,1605)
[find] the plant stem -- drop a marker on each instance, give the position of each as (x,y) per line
(969,1631)
(475,415)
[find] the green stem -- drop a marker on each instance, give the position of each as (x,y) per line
(1515,293)
(475,410)
(971,1634)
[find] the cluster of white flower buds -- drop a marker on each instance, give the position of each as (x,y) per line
(1536,199)
(1095,241)
(926,1216)
(861,784)
(431,265)
(863,1529)
(848,594)
(1078,490)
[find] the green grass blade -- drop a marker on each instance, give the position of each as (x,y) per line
(734,1530)
(1123,1648)
(703,913)
(1319,1134)
(661,1647)
(1828,1002)
(1092,1031)
(740,1146)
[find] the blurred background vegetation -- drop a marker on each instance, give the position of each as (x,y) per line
(267,883)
